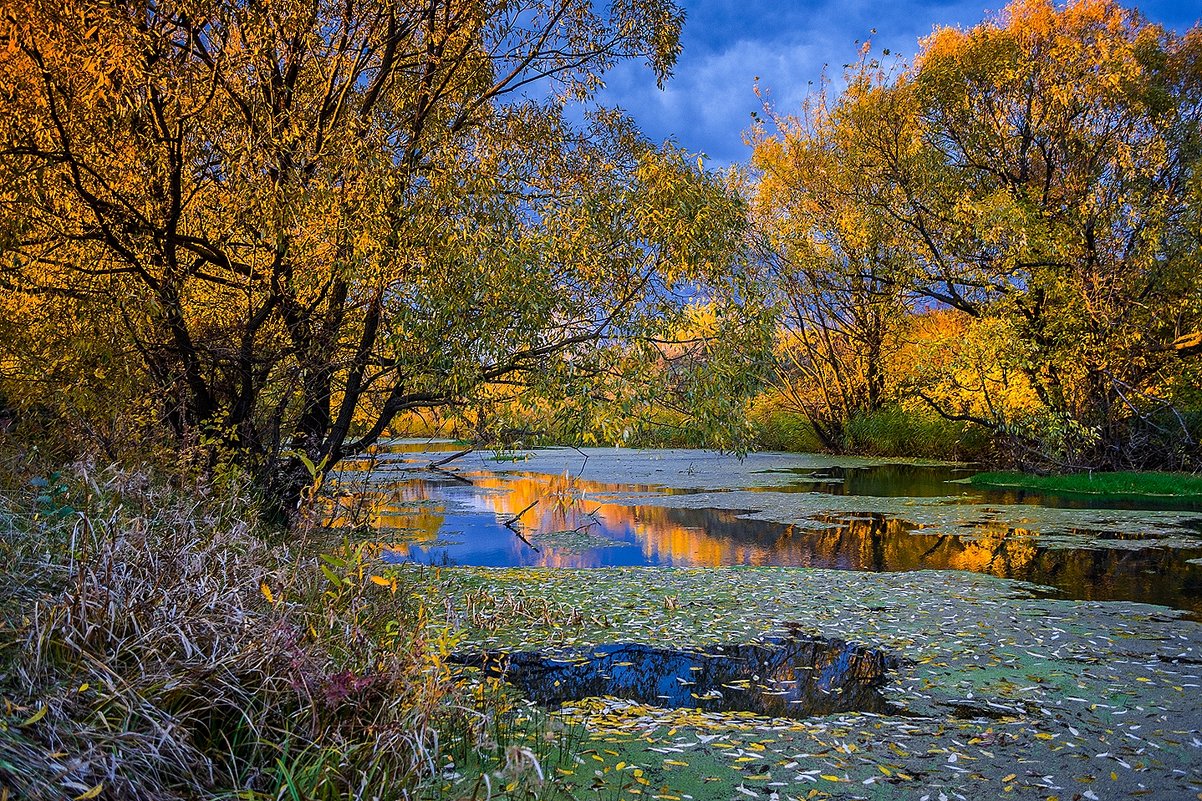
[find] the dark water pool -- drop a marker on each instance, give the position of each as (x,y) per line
(933,481)
(794,677)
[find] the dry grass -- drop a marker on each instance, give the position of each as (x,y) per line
(156,644)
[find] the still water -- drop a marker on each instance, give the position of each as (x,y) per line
(790,677)
(524,518)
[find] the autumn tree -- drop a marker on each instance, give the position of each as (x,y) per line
(306,218)
(1042,169)
(838,268)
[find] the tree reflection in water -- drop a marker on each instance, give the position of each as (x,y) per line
(794,677)
(443,522)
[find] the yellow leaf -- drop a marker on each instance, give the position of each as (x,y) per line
(1010,778)
(95,791)
(267,593)
(35,717)
(381,581)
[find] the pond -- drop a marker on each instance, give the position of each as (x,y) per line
(564,508)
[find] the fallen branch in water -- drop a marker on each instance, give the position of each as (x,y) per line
(452,475)
(511,525)
(449,459)
(518,516)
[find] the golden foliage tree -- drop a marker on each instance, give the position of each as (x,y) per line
(306,218)
(839,267)
(1042,171)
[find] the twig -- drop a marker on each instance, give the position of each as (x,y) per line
(522,537)
(518,516)
(583,464)
(449,459)
(510,524)
(452,475)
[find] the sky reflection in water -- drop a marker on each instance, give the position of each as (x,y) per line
(794,676)
(438,520)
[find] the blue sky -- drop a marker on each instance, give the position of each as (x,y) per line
(728,43)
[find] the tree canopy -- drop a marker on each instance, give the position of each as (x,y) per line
(288,222)
(1036,175)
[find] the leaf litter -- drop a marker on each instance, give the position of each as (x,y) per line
(1000,693)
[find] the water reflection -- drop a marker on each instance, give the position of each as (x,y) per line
(794,676)
(577,524)
(937,481)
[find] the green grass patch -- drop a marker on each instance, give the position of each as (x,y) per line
(893,431)
(1118,484)
(779,429)
(898,431)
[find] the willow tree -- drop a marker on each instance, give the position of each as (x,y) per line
(307,217)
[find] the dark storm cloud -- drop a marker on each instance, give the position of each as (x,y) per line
(707,106)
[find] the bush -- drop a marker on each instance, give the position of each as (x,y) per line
(778,428)
(158,644)
(895,431)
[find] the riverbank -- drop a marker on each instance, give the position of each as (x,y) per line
(1114,484)
(157,643)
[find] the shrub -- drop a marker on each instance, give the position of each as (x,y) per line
(897,431)
(158,643)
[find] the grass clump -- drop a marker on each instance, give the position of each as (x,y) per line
(156,643)
(899,431)
(778,428)
(892,431)
(1116,484)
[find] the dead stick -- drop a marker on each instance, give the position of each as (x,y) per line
(452,475)
(449,459)
(518,516)
(511,525)
(522,537)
